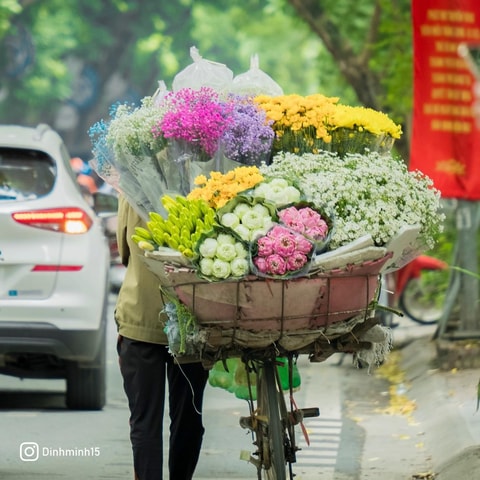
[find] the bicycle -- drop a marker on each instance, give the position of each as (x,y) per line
(260,320)
(418,291)
(271,422)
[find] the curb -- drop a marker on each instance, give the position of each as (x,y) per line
(446,403)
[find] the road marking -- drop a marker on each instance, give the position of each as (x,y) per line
(324,435)
(321,389)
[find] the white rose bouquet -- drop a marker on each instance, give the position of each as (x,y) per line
(246,217)
(221,256)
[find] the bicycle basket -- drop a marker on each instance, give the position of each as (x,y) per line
(266,309)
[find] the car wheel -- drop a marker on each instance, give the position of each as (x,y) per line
(86,384)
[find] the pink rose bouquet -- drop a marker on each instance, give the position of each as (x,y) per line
(282,252)
(304,219)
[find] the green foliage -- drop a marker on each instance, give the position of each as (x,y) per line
(8,9)
(134,44)
(393,58)
(297,61)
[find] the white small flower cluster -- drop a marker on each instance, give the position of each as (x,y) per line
(368,193)
(130,131)
(248,221)
(223,256)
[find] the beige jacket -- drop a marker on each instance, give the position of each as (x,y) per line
(139,301)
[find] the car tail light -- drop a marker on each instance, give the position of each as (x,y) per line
(57,268)
(65,220)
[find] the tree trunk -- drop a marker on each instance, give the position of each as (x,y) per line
(353,66)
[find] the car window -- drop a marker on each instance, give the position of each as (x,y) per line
(25,174)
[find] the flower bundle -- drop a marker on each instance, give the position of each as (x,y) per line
(314,123)
(282,252)
(130,130)
(196,118)
(304,220)
(298,122)
(309,221)
(368,193)
(248,136)
(220,188)
(221,255)
(124,150)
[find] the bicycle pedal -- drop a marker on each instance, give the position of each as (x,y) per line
(310,412)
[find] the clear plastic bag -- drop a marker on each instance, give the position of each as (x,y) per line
(160,93)
(203,73)
(255,81)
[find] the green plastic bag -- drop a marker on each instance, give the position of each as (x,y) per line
(234,377)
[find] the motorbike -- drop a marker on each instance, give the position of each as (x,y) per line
(416,291)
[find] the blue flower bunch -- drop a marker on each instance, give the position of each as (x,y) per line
(100,149)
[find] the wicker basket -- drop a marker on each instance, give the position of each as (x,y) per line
(256,312)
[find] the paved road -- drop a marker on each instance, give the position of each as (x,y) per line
(351,440)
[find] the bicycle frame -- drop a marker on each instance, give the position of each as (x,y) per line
(272,424)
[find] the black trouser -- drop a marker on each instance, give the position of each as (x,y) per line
(145,367)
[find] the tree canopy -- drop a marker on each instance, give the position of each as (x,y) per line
(67,62)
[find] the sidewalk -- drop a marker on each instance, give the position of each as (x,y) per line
(446,408)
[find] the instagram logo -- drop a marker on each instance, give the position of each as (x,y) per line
(29,452)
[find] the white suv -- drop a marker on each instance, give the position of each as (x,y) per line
(54,264)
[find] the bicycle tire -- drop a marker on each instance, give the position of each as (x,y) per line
(417,311)
(272,436)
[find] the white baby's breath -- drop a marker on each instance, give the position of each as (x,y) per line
(130,132)
(368,193)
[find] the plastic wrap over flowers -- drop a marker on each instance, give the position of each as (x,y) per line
(203,73)
(162,146)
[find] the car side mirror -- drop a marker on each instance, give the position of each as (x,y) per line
(105,204)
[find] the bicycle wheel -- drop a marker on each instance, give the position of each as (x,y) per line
(271,433)
(422,299)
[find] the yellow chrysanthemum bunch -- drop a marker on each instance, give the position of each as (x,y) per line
(294,112)
(308,124)
(362,118)
(222,187)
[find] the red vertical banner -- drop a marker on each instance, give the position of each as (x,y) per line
(445,141)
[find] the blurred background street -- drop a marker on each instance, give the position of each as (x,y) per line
(359,435)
